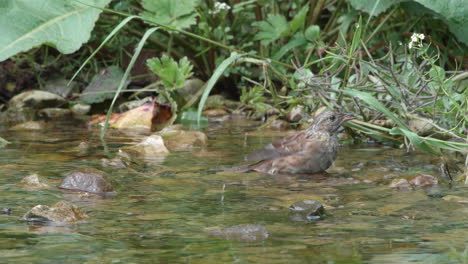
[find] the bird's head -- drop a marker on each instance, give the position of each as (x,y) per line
(329,121)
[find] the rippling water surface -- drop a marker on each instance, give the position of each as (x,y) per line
(161,212)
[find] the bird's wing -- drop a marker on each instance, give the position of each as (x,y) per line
(285,146)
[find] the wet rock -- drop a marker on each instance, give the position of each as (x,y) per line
(83,147)
(34,182)
(87,180)
(150,149)
(7,211)
(129,105)
(115,163)
(218,101)
(423,180)
(62,212)
(215,112)
(61,87)
(181,140)
(296,114)
(311,210)
(80,109)
(454,198)
(55,113)
(278,125)
(420,125)
(36,99)
(14,115)
(401,185)
(243,233)
(30,125)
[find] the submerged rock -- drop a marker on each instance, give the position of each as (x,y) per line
(182,140)
(311,210)
(151,149)
(87,180)
(36,99)
(30,125)
(401,185)
(115,163)
(62,212)
(243,233)
(423,180)
(34,182)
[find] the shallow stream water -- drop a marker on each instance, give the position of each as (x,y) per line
(161,213)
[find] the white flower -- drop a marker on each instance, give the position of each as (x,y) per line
(416,39)
(218,6)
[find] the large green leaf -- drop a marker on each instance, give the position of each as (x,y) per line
(453,12)
(179,14)
(63,24)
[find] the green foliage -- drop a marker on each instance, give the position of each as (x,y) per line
(178,14)
(63,24)
(171,73)
(103,86)
(454,12)
(254,97)
(3,142)
(275,27)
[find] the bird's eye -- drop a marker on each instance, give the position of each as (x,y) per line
(332,118)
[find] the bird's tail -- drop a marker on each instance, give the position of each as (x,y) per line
(241,168)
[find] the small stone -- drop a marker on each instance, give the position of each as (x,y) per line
(243,233)
(37,99)
(34,182)
(55,113)
(278,125)
(62,212)
(150,150)
(215,112)
(87,180)
(30,125)
(181,140)
(312,210)
(423,180)
(115,163)
(401,185)
(7,211)
(296,114)
(454,198)
(80,109)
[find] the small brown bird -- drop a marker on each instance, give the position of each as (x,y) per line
(309,151)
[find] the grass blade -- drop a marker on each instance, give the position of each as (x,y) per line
(125,76)
(214,78)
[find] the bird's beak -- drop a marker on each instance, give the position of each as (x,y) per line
(347,117)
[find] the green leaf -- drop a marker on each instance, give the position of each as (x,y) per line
(296,41)
(3,142)
(123,81)
(179,14)
(370,100)
(171,73)
(214,78)
(63,24)
(298,20)
(272,29)
(312,33)
(414,138)
(373,7)
(102,86)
